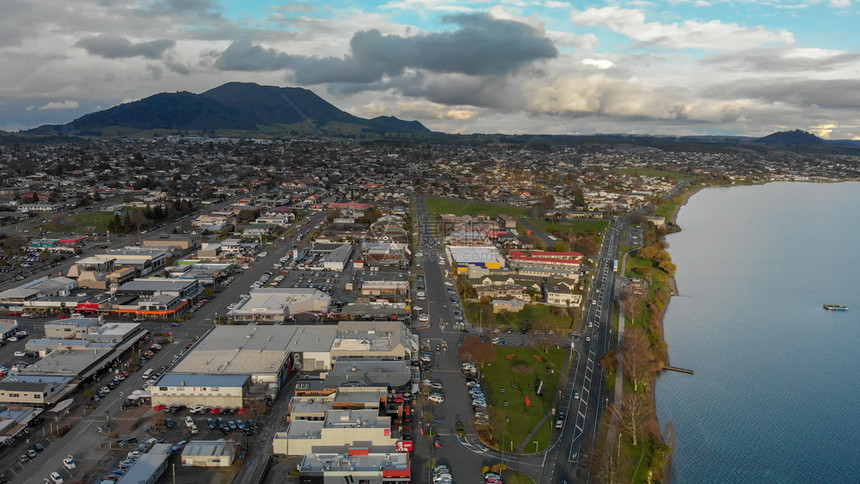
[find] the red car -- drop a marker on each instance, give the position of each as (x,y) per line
(125,374)
(63,316)
(242,410)
(215,410)
(159,408)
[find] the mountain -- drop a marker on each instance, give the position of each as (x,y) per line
(232,107)
(797,137)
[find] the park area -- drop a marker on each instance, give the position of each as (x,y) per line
(533,316)
(84,223)
(442,206)
(510,382)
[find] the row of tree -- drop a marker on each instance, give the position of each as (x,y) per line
(660,258)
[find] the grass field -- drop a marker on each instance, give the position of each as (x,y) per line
(591,226)
(81,223)
(471,207)
(538,315)
(512,378)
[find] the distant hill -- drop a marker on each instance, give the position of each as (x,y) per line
(797,137)
(233,107)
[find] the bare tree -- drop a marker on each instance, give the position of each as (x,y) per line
(633,415)
(632,303)
(635,356)
(473,349)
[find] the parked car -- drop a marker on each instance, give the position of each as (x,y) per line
(69,463)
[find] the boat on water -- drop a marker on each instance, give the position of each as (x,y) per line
(835,307)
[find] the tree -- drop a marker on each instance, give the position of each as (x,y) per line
(632,304)
(633,415)
(473,349)
(635,356)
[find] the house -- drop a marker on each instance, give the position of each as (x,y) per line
(510,305)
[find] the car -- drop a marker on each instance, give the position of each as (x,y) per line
(170,423)
(38,447)
(559,421)
(179,445)
(56,478)
(105,389)
(125,374)
(23,458)
(576,395)
(242,410)
(118,377)
(436,398)
(118,472)
(436,385)
(174,325)
(232,425)
(159,407)
(437,442)
(69,463)
(134,455)
(194,430)
(189,422)
(19,354)
(126,464)
(211,423)
(31,453)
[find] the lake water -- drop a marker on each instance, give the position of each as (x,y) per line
(775,393)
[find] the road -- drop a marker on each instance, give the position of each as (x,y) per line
(579,432)
(83,441)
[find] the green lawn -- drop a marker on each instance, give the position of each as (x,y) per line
(471,207)
(512,378)
(538,315)
(84,223)
(591,226)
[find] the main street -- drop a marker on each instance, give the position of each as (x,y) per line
(560,462)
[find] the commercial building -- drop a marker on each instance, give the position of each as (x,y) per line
(275,305)
(8,327)
(268,354)
(28,393)
(387,340)
(339,429)
(358,465)
(209,453)
(192,389)
(465,256)
(337,259)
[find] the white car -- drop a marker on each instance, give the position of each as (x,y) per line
(189,422)
(56,478)
(20,354)
(69,463)
(105,390)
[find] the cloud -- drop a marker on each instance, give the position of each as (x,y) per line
(113,47)
(840,3)
(598,63)
(201,8)
(787,59)
(834,94)
(60,105)
(482,46)
(690,34)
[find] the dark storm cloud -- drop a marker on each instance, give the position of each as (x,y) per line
(482,46)
(829,94)
(111,47)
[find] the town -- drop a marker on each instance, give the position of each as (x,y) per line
(194,309)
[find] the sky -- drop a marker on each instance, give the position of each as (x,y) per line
(661,67)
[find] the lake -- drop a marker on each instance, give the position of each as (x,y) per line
(775,393)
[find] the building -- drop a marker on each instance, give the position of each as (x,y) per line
(338,259)
(275,305)
(209,453)
(27,393)
(149,466)
(177,243)
(370,372)
(356,466)
(486,257)
(191,389)
(509,305)
(8,327)
(339,429)
(559,293)
(389,340)
(29,293)
(268,354)
(385,287)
